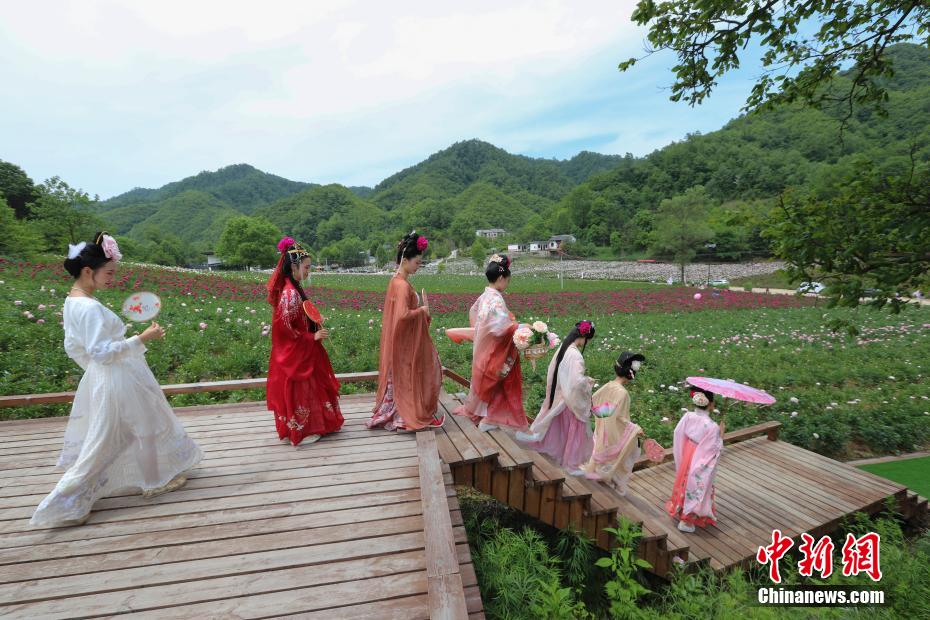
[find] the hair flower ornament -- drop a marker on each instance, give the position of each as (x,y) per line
(110,248)
(285,243)
(584,328)
(422,243)
(75,250)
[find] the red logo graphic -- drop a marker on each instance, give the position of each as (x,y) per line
(819,556)
(860,555)
(773,553)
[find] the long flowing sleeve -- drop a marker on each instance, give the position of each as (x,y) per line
(404,313)
(495,317)
(291,313)
(93,342)
(574,385)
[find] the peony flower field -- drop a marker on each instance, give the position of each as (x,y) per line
(840,395)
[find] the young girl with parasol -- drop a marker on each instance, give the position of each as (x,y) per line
(302,390)
(122,434)
(698,442)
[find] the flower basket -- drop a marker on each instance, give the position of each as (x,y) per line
(534,341)
(535,352)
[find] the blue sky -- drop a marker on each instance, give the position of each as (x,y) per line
(115,95)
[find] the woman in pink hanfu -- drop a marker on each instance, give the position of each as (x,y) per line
(562,428)
(495,397)
(697,448)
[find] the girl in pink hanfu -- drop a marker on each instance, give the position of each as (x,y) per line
(496,394)
(562,428)
(698,444)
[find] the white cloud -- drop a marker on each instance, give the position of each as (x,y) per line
(110,95)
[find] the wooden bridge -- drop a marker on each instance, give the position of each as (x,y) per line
(365,524)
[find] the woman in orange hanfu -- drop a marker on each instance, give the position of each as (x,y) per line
(409,372)
(496,394)
(302,391)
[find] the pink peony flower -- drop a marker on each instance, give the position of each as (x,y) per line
(40,322)
(584,328)
(422,243)
(285,243)
(17,303)
(41,307)
(522,337)
(110,248)
(203,325)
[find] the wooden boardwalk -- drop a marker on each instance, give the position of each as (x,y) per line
(362,524)
(762,484)
(365,524)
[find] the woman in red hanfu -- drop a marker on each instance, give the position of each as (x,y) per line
(302,391)
(409,372)
(496,394)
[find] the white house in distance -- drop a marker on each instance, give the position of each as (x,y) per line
(554,243)
(490,233)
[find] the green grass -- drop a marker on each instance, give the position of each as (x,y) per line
(777,279)
(913,473)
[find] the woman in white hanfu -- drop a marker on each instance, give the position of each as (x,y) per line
(122,434)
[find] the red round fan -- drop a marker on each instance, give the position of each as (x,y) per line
(312,312)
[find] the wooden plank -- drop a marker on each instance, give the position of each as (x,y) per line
(179,535)
(531,498)
(246,485)
(500,485)
(245,475)
(213,517)
(483,476)
(402,608)
(447,597)
(249,541)
(451,374)
(444,587)
(469,453)
(440,548)
(376,445)
(478,439)
(160,510)
(256,595)
(516,488)
(233,564)
(447,450)
(547,502)
(23,400)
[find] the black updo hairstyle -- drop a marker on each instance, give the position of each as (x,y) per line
(572,336)
(623,367)
(91,256)
(407,247)
(497,270)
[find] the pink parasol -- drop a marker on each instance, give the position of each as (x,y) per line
(732,389)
